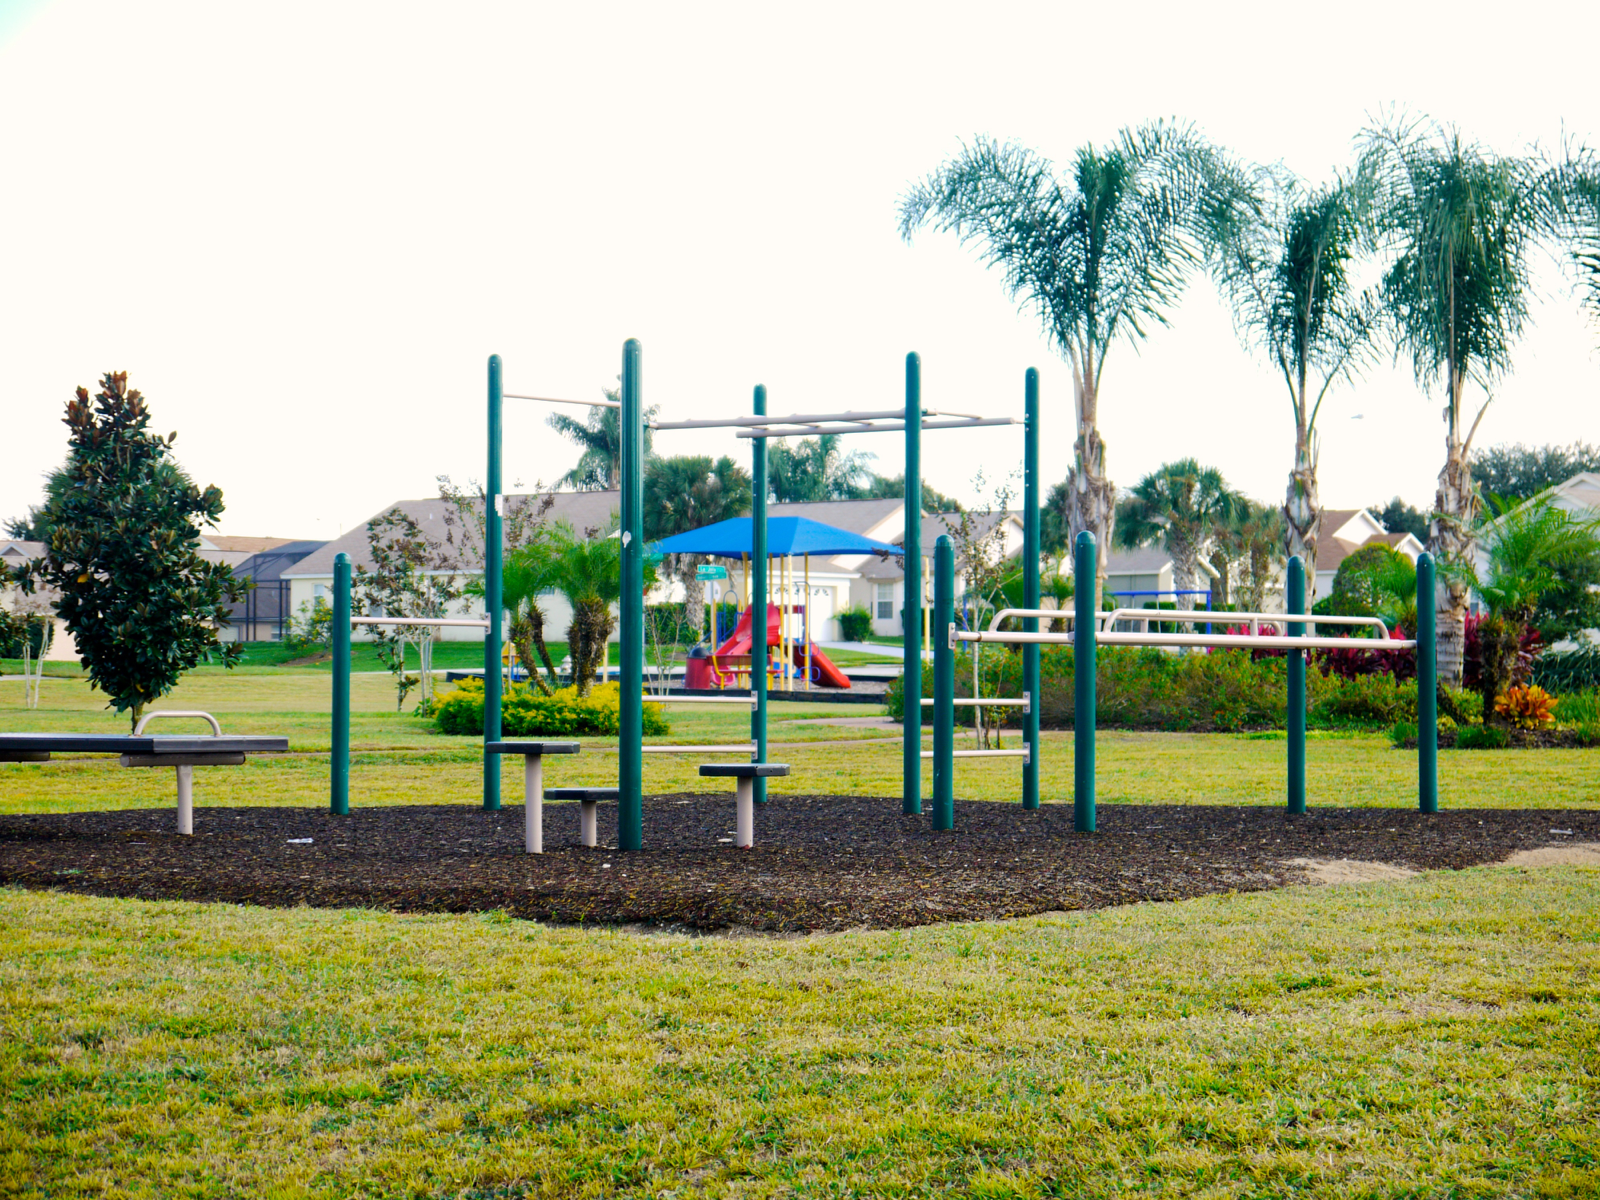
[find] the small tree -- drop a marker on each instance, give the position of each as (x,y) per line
(124,555)
(1523,550)
(588,572)
(1178,506)
(412,575)
(817,468)
(1248,551)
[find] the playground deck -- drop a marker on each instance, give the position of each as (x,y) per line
(820,862)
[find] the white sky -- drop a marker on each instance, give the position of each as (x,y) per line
(303,227)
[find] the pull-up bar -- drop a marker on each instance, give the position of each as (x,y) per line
(558,400)
(879,427)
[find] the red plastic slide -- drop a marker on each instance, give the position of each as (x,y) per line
(739,645)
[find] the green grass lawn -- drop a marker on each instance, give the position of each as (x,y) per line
(1427,1038)
(1433,1037)
(402,759)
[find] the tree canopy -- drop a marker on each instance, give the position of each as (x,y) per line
(1519,472)
(124,553)
(599,438)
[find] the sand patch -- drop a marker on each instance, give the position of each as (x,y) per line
(1349,870)
(1578,854)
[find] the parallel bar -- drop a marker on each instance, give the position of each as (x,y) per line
(1427,688)
(748,701)
(761,419)
(630,732)
(736,748)
(757,600)
(1030,583)
(911,771)
(876,427)
(968,701)
(1085,564)
(1174,616)
(1297,689)
(944,685)
(493,564)
(475,624)
(559,400)
(1220,641)
(339,792)
(1023,753)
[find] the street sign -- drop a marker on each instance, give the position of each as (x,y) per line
(711,571)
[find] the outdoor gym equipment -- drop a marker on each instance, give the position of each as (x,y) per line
(1085,637)
(184,753)
(911,419)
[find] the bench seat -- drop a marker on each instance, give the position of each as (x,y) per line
(589,799)
(743,770)
(536,748)
(744,776)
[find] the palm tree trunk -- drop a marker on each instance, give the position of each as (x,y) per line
(1450,537)
(523,639)
(1092,503)
(536,633)
(1185,568)
(694,593)
(1302,508)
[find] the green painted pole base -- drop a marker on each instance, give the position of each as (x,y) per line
(1085,568)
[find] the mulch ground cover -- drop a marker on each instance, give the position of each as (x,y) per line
(820,862)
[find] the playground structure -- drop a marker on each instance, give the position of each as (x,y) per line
(796,658)
(1085,637)
(1090,628)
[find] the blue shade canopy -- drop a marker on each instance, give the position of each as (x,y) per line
(785,536)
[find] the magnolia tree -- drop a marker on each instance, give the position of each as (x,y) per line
(124,553)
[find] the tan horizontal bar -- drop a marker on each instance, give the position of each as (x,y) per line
(559,400)
(1217,641)
(419,621)
(981,754)
(880,427)
(969,702)
(746,748)
(846,417)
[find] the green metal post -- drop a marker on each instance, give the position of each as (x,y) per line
(1085,564)
(911,724)
(493,566)
(757,600)
(630,753)
(339,794)
(1297,689)
(1030,587)
(944,684)
(1427,688)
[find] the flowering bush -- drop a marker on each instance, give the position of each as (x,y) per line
(525,713)
(1528,707)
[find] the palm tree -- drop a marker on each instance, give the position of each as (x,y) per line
(599,466)
(1461,222)
(1572,189)
(588,572)
(816,469)
(1178,506)
(1283,263)
(689,492)
(1249,541)
(1102,253)
(1522,552)
(530,572)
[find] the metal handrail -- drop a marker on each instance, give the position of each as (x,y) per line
(1218,641)
(1193,615)
(467,621)
(216,729)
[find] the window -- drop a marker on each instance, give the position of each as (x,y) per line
(885,606)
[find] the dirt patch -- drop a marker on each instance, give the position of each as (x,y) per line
(1579,854)
(1333,871)
(820,862)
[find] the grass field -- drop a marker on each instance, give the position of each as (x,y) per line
(401,759)
(1433,1037)
(1427,1038)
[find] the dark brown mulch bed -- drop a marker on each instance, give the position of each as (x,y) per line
(820,863)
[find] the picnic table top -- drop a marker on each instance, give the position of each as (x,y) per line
(145,743)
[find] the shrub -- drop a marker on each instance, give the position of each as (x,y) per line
(1568,670)
(1579,708)
(855,624)
(1528,707)
(1482,737)
(16,629)
(1369,700)
(1403,732)
(1461,706)
(525,713)
(1589,734)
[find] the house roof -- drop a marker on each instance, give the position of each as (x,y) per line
(251,545)
(20,549)
(269,565)
(440,521)
(858,516)
(933,526)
